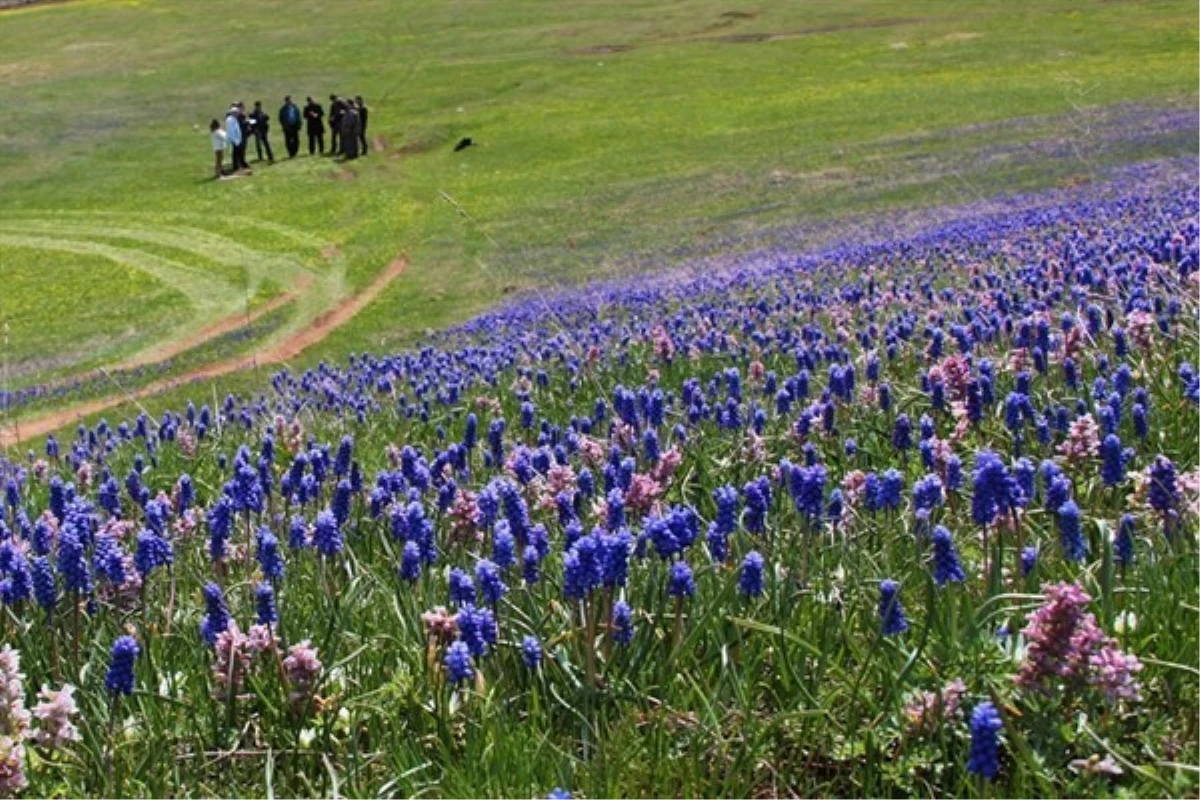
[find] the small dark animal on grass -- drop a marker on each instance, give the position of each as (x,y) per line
(463,144)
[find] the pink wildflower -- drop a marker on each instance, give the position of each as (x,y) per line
(55,729)
(643,492)
(928,709)
(1083,440)
(302,668)
(1067,645)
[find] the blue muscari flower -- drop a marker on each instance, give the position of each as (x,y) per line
(458,662)
(220,528)
(108,496)
(984,758)
(270,561)
(44,590)
(531,651)
(119,679)
(42,537)
(622,622)
(650,446)
(342,495)
(327,537)
(885,397)
(995,490)
(902,433)
(615,510)
(891,612)
(727,501)
(491,583)
(927,493)
(717,542)
(615,551)
(471,432)
(410,562)
(947,568)
(1025,474)
(297,533)
(757,494)
(1112,469)
(264,604)
(558,793)
(108,560)
(18,586)
(889,490)
(1141,425)
(1029,559)
(187,493)
(152,551)
(808,490)
(1163,494)
(681,583)
(1073,544)
(1123,543)
(345,452)
(477,628)
(216,614)
(462,588)
(659,532)
(504,546)
(954,474)
(751,581)
(531,562)
(72,563)
(836,506)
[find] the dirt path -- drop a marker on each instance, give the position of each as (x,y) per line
(281,351)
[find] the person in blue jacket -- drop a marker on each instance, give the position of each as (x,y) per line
(289,120)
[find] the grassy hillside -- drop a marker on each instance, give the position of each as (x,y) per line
(608,133)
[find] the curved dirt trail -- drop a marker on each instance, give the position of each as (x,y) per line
(280,351)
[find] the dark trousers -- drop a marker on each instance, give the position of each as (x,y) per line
(335,139)
(239,156)
(291,138)
(261,142)
(362,141)
(316,141)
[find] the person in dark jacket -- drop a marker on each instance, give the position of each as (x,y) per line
(289,119)
(337,109)
(363,111)
(314,117)
(351,131)
(243,121)
(260,121)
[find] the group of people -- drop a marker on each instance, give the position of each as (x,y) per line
(347,131)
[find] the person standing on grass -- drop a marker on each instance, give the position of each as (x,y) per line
(233,134)
(244,123)
(337,109)
(262,128)
(218,146)
(351,131)
(315,117)
(362,123)
(289,120)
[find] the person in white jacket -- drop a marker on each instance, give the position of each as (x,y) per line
(218,146)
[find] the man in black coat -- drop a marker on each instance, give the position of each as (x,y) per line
(239,150)
(315,119)
(363,111)
(337,109)
(261,122)
(289,119)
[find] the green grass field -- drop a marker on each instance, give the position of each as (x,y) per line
(610,135)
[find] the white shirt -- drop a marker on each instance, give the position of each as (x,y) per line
(218,140)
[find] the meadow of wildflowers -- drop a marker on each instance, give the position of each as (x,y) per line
(909,517)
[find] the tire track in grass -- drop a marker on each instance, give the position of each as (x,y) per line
(281,351)
(310,287)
